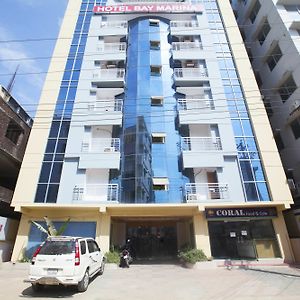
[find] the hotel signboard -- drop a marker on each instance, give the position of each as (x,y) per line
(240,212)
(154,8)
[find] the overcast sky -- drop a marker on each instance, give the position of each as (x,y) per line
(25,20)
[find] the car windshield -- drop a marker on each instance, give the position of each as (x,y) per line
(57,247)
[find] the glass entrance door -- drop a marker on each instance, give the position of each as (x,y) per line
(152,242)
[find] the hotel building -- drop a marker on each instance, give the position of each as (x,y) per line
(271,33)
(151,127)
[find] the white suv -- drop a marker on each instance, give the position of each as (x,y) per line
(67,261)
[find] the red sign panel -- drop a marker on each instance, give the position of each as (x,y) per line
(157,8)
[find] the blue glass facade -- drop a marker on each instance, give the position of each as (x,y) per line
(54,154)
(149,74)
(253,177)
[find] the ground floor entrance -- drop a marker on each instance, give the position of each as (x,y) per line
(152,239)
(251,239)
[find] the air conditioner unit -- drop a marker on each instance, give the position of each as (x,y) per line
(192,197)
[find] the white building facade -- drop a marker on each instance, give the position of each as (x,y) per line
(153,134)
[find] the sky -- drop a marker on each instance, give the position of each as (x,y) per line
(24,20)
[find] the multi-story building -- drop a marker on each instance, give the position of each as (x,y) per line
(152,128)
(271,29)
(15,125)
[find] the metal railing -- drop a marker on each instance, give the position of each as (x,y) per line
(123,24)
(188,104)
(183,24)
(190,46)
(111,47)
(96,192)
(190,73)
(197,192)
(109,74)
(101,145)
(200,144)
(106,105)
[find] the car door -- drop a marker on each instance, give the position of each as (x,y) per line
(94,256)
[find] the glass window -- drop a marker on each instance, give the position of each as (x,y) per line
(295,126)
(155,70)
(264,32)
(263,191)
(54,129)
(52,193)
(254,11)
(40,193)
(246,170)
(237,128)
(154,45)
(14,131)
(257,170)
(56,172)
(274,57)
(83,247)
(287,88)
(45,172)
(51,146)
(251,192)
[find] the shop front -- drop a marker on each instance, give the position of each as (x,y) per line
(242,233)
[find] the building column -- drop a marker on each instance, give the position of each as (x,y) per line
(21,239)
(201,234)
(283,238)
(103,232)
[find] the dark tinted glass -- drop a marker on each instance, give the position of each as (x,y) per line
(57,247)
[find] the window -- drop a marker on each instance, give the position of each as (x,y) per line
(154,45)
(274,57)
(155,70)
(154,22)
(279,141)
(157,100)
(14,131)
(263,32)
(292,8)
(160,184)
(82,247)
(254,11)
(287,88)
(92,246)
(295,126)
(158,138)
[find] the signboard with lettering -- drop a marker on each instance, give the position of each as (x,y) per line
(154,8)
(240,212)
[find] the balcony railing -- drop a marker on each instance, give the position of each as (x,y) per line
(189,104)
(187,46)
(114,24)
(115,105)
(101,146)
(111,47)
(195,144)
(96,193)
(184,24)
(109,74)
(190,73)
(197,192)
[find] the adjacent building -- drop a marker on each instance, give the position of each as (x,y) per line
(271,32)
(15,125)
(153,129)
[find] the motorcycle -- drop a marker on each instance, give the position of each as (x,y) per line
(125,259)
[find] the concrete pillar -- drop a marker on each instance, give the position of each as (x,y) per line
(103,232)
(201,234)
(283,238)
(22,239)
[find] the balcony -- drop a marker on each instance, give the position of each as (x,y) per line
(185,27)
(202,192)
(190,76)
(198,144)
(100,153)
(113,28)
(5,195)
(95,193)
(109,77)
(195,104)
(202,152)
(111,51)
(187,50)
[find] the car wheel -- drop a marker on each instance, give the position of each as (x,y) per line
(101,271)
(36,287)
(84,283)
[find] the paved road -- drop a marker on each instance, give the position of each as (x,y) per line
(164,282)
